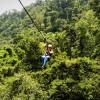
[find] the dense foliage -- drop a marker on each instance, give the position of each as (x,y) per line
(73,72)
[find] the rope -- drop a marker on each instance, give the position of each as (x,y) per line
(32,20)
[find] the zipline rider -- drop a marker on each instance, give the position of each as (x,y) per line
(48,51)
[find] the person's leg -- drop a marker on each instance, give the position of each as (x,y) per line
(42,58)
(45,60)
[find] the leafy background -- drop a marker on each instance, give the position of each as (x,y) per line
(73,72)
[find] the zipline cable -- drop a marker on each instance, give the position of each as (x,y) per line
(32,20)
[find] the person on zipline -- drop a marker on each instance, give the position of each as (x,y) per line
(48,52)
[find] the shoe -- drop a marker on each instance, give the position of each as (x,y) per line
(42,66)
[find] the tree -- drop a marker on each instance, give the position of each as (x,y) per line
(29,47)
(95,5)
(86,27)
